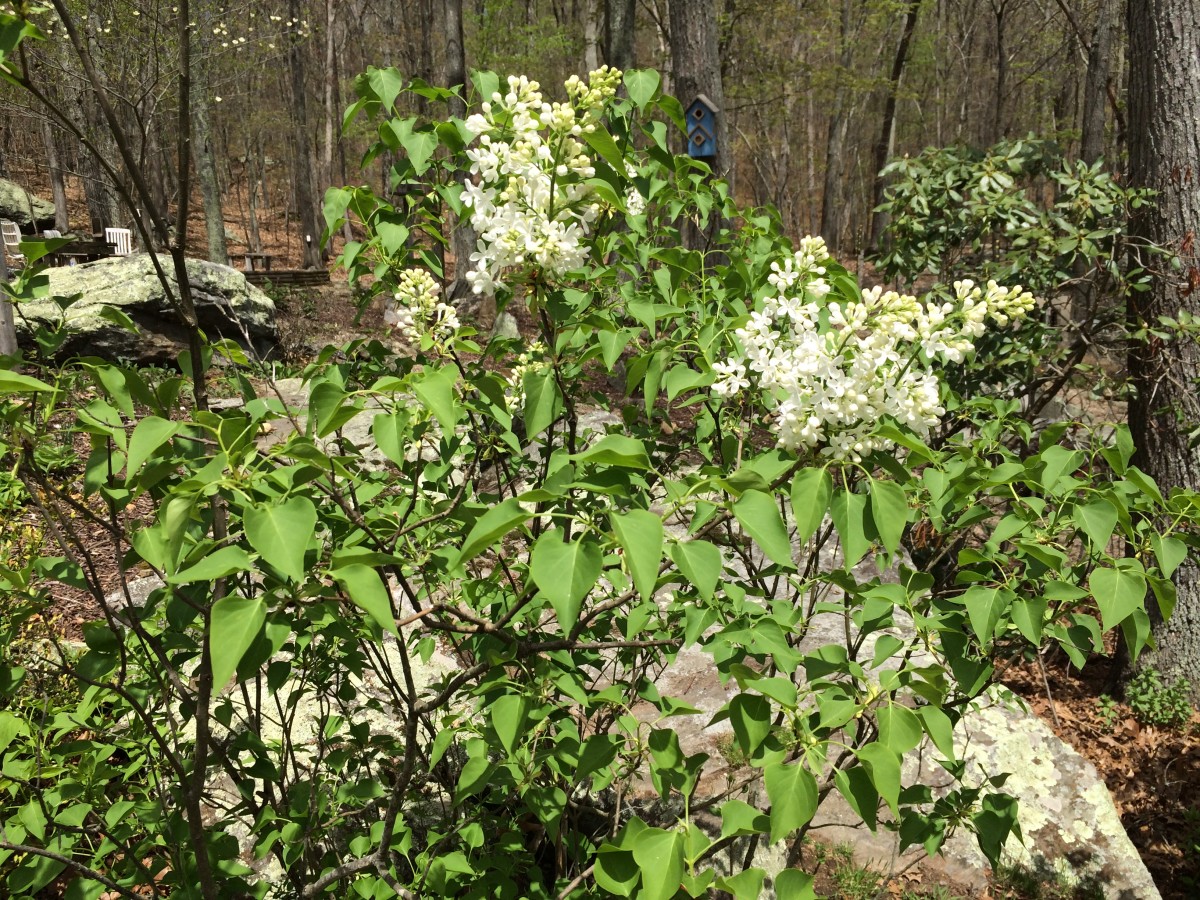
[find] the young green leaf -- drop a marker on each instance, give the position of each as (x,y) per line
(849,511)
(543,401)
(491,526)
(234,624)
(617,872)
(367,591)
(1170,553)
(739,817)
(750,716)
(508,718)
(792,884)
(616,450)
(1118,592)
(640,534)
(811,490)
(899,728)
(217,564)
(281,534)
(1028,615)
(642,84)
(14,383)
(760,517)
(1097,520)
(435,388)
(392,434)
(150,434)
(565,572)
(939,728)
(793,793)
(985,606)
(889,512)
(659,854)
(883,766)
(700,563)
(745,885)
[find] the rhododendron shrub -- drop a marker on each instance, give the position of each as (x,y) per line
(431,655)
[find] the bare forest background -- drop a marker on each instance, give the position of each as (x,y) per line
(817,94)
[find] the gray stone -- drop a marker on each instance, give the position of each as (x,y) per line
(227,306)
(1071,827)
(22,207)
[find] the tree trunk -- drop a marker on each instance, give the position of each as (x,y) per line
(253,184)
(618,32)
(1095,85)
(593,27)
(1164,154)
(887,135)
(104,207)
(206,170)
(997,132)
(58,184)
(305,195)
(330,94)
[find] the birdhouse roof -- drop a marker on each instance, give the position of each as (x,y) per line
(701,98)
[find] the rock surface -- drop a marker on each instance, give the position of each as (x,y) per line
(226,304)
(1070,825)
(22,207)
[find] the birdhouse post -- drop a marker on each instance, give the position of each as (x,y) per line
(702,128)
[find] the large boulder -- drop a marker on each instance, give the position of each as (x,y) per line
(24,208)
(227,306)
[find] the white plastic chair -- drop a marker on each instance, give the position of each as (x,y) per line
(12,239)
(121,239)
(51,233)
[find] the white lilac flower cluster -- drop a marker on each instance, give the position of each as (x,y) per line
(835,370)
(530,205)
(416,311)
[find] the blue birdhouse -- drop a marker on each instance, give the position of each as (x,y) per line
(702,128)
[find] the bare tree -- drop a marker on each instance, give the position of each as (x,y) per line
(887,135)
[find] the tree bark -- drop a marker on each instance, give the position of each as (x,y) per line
(618,33)
(593,27)
(1095,85)
(330,94)
(1164,154)
(206,171)
(58,184)
(305,194)
(997,131)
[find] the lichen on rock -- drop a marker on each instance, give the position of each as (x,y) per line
(227,306)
